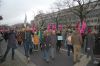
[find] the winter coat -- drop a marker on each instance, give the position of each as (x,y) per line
(20,36)
(12,42)
(76,39)
(97,44)
(47,41)
(53,40)
(27,37)
(90,40)
(35,39)
(27,40)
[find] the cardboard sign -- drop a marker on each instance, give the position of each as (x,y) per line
(60,37)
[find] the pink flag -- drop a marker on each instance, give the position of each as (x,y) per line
(49,27)
(60,27)
(53,26)
(81,29)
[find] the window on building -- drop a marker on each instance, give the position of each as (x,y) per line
(95,20)
(87,20)
(99,5)
(98,20)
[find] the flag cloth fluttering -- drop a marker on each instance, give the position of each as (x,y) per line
(60,27)
(82,28)
(49,27)
(53,26)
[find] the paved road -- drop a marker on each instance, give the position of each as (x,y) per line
(9,62)
(60,60)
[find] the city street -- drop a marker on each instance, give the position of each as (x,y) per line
(61,59)
(55,27)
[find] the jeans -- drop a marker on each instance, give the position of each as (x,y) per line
(58,45)
(90,53)
(70,47)
(45,54)
(0,49)
(7,50)
(52,51)
(28,46)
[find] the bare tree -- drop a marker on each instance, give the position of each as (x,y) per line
(56,12)
(81,7)
(41,23)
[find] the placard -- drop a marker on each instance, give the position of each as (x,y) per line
(60,37)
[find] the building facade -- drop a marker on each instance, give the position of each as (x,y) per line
(65,16)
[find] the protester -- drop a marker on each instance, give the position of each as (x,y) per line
(59,40)
(1,39)
(97,43)
(64,34)
(53,44)
(36,41)
(19,37)
(96,47)
(11,45)
(5,36)
(69,44)
(46,46)
(40,34)
(90,43)
(77,42)
(27,43)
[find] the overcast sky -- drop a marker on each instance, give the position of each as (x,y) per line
(13,11)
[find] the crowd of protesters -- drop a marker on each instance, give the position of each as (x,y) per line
(49,42)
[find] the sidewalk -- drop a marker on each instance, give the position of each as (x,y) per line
(83,60)
(16,62)
(20,59)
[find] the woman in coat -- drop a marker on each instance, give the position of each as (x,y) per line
(90,44)
(36,42)
(69,43)
(46,46)
(11,45)
(1,39)
(20,38)
(53,44)
(27,43)
(59,41)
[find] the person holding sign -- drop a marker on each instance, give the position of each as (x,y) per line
(59,39)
